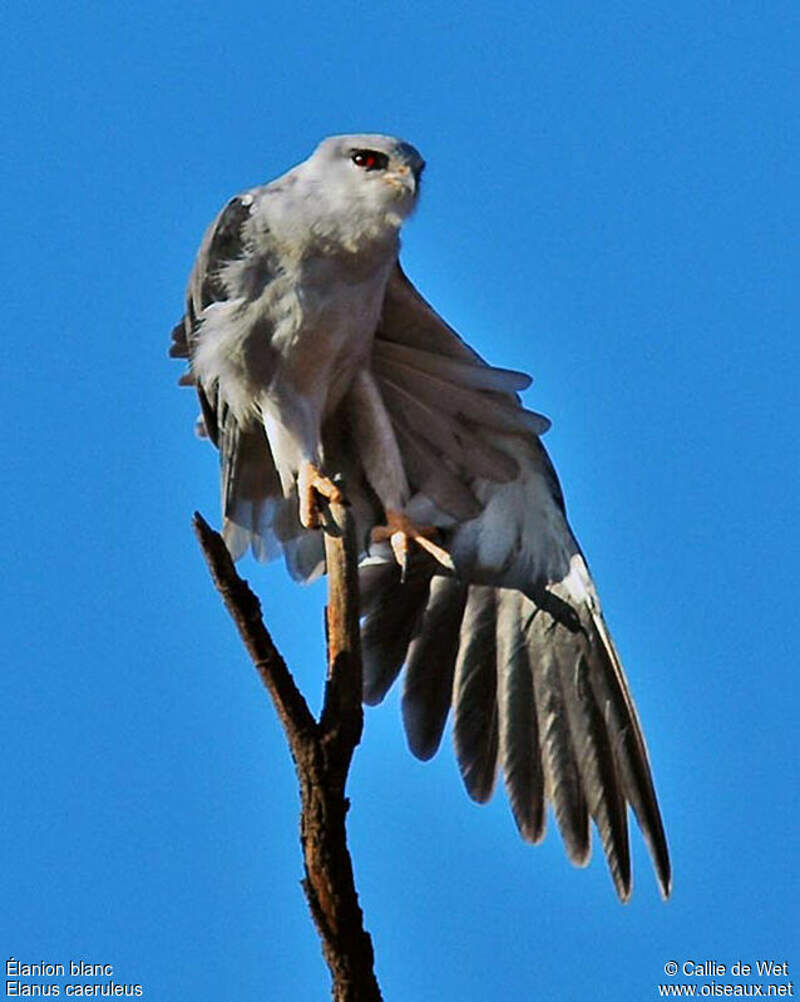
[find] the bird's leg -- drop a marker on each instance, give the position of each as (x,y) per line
(383,465)
(311,484)
(400,529)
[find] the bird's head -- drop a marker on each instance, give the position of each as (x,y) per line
(372,174)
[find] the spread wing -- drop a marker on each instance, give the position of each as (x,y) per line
(517,644)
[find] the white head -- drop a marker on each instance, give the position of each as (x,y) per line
(370,175)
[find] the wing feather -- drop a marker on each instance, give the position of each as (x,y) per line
(536,680)
(484,409)
(475,725)
(391,611)
(430,666)
(597,770)
(473,375)
(516,643)
(630,751)
(564,786)
(432,477)
(255,512)
(445,433)
(519,732)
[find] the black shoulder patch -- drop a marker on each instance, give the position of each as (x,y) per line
(226,245)
(180,346)
(551,476)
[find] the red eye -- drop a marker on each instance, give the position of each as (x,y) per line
(369,159)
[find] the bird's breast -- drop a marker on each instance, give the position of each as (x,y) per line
(337,317)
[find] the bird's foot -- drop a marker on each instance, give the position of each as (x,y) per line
(311,485)
(400,530)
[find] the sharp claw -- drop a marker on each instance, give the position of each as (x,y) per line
(311,486)
(308,514)
(399,530)
(399,543)
(437,552)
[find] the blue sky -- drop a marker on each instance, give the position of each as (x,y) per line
(611,203)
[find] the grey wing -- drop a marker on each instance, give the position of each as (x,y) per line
(232,264)
(517,646)
(224,241)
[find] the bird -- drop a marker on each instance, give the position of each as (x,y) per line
(323,374)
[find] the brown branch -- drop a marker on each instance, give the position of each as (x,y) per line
(342,717)
(245,611)
(322,751)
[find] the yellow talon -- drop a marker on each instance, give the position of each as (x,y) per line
(399,529)
(311,485)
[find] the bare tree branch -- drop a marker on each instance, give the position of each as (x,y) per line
(322,751)
(245,611)
(342,717)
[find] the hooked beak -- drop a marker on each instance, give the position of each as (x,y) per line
(404,180)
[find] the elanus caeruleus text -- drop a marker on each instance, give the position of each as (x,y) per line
(318,364)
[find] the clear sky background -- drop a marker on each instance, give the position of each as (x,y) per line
(611,203)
